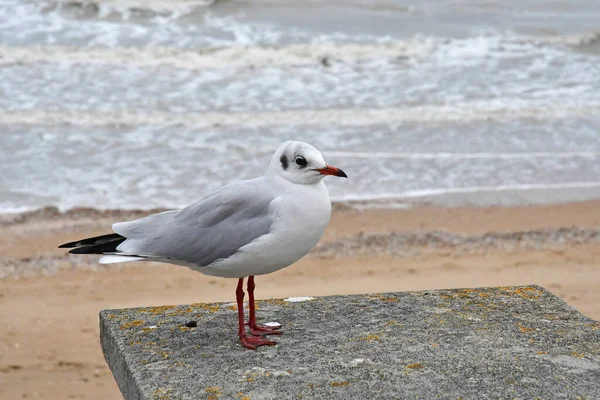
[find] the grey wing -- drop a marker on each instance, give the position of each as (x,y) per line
(213,228)
(142,226)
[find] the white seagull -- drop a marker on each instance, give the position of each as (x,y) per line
(244,229)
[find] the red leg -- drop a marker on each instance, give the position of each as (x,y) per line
(249,342)
(257,329)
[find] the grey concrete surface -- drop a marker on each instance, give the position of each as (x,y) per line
(500,343)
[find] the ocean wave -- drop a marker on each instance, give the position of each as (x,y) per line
(235,56)
(577,40)
(319,53)
(180,8)
(126,7)
(368,4)
(466,112)
(437,192)
(463,156)
(162,7)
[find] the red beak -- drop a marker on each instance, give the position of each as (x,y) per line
(329,170)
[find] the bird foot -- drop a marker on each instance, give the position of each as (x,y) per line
(259,330)
(253,342)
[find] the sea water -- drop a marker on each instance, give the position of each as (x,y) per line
(143,104)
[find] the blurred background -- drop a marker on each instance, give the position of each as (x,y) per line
(469,130)
(138,104)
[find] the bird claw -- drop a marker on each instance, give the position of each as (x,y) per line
(258,330)
(253,342)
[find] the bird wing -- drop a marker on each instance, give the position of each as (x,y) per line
(141,227)
(213,228)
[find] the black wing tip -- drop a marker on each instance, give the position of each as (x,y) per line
(94,245)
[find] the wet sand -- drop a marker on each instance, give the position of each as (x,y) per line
(50,302)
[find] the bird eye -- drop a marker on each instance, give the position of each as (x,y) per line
(301,161)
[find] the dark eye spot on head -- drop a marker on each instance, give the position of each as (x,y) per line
(284,161)
(301,161)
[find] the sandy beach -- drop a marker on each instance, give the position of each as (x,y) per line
(50,302)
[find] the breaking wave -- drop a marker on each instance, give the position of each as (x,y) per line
(468,112)
(319,53)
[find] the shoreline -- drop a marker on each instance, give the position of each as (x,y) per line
(399,202)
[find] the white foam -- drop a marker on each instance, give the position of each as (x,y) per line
(245,51)
(465,112)
(110,23)
(246,56)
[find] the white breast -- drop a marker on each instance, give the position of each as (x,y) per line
(301,216)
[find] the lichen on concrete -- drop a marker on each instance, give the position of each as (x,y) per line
(505,342)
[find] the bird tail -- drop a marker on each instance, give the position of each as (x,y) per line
(95,245)
(106,245)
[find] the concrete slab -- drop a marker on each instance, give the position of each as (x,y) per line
(504,342)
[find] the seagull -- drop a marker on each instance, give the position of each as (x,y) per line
(247,228)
